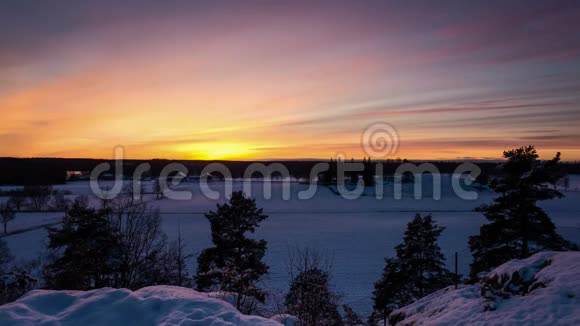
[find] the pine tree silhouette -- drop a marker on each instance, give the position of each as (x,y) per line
(418,270)
(518,228)
(234,264)
(89,246)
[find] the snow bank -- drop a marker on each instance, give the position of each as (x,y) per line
(543,289)
(155,305)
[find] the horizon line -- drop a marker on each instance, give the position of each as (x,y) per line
(271,159)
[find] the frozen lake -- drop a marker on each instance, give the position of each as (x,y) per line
(358,233)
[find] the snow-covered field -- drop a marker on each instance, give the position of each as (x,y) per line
(358,233)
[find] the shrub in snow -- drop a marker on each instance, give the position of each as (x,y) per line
(516,277)
(15,284)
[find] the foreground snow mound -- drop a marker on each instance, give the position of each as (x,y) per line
(543,289)
(155,305)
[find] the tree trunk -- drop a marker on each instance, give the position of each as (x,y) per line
(239,301)
(524,221)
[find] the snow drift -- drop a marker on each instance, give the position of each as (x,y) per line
(155,305)
(543,289)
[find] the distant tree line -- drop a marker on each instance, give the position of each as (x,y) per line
(44,171)
(14,171)
(366,174)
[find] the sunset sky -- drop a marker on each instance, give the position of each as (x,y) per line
(273,79)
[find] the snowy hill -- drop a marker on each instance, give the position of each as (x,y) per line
(155,305)
(543,289)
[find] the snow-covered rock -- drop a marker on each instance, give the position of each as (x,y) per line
(543,289)
(155,305)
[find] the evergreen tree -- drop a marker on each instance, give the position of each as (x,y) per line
(328,176)
(368,173)
(85,248)
(518,228)
(391,292)
(418,270)
(234,264)
(421,258)
(311,300)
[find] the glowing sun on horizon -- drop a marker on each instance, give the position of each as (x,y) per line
(216,151)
